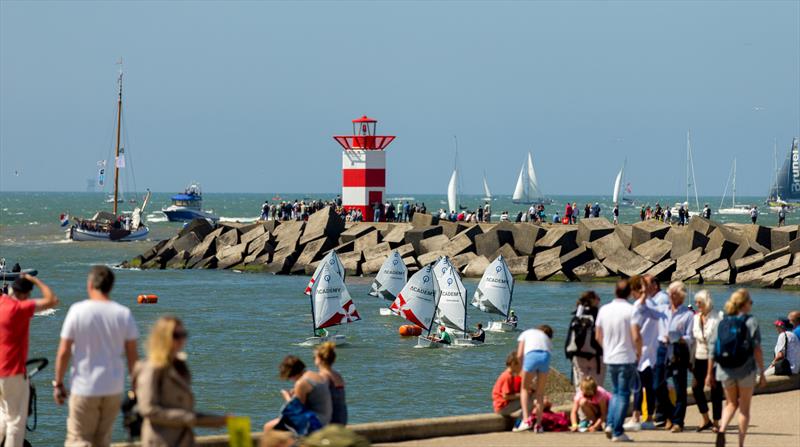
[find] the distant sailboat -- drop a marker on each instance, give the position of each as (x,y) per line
(620,188)
(487,195)
(331,305)
(734,209)
(527,189)
(691,183)
(786,190)
(452,192)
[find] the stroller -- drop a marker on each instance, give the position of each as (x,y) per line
(33,366)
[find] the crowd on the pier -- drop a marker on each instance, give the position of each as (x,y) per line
(639,341)
(642,340)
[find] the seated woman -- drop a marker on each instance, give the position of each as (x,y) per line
(324,356)
(787,346)
(310,389)
(589,407)
(163,390)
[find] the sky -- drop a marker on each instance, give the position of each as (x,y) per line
(245,96)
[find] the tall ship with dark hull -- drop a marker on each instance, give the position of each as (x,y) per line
(786,189)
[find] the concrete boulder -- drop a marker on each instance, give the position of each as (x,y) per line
(352,262)
(606,246)
(312,252)
(435,243)
(228,238)
(590,270)
(430,257)
(356,231)
(381,251)
(476,267)
(258,231)
(461,243)
(780,237)
(397,235)
(663,270)
(749,262)
(418,234)
(592,229)
(461,261)
(525,236)
(716,273)
(487,243)
(563,236)
(323,223)
(574,259)
(518,266)
(631,264)
(654,250)
(648,230)
(506,251)
(200,227)
(366,241)
(685,239)
(420,220)
(449,229)
(186,243)
(625,234)
(546,263)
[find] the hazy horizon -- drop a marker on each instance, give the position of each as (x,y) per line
(245,96)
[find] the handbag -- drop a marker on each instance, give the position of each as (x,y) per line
(782,366)
(297,418)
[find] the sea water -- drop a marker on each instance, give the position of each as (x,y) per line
(242,325)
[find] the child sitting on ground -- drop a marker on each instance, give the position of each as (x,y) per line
(590,407)
(506,390)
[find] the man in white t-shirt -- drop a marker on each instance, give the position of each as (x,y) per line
(96,333)
(622,347)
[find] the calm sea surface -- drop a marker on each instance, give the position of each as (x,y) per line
(242,325)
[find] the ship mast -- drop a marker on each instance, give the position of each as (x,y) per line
(119,128)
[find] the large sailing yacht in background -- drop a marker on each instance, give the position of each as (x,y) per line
(690,180)
(786,189)
(620,188)
(734,209)
(527,190)
(116,226)
(487,194)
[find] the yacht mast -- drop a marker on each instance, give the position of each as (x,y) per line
(119,128)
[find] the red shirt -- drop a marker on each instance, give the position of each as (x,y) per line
(506,384)
(15,321)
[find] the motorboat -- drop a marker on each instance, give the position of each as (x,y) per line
(188,206)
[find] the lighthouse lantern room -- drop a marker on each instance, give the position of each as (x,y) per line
(363,166)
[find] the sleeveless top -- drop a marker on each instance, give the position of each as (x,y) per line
(319,401)
(339,401)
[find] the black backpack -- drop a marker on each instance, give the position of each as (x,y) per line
(734,345)
(580,338)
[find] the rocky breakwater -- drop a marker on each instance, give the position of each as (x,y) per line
(702,252)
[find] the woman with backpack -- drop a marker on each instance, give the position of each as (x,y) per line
(581,348)
(735,348)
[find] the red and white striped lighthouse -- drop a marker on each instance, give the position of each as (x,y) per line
(363,166)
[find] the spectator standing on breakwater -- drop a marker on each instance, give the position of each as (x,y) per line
(616,214)
(533,350)
(703,325)
(96,333)
(754,214)
(16,313)
(786,347)
(596,210)
(782,216)
(739,360)
(568,213)
(587,211)
(164,392)
(574,213)
(324,357)
(621,350)
(584,352)
(706,212)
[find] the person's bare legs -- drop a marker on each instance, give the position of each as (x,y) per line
(525,394)
(541,383)
(731,404)
(745,397)
(271,424)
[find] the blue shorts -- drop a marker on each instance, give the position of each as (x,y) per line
(537,361)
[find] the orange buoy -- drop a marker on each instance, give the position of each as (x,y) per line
(147,299)
(565,221)
(410,330)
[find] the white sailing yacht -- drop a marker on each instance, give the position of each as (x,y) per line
(331,305)
(390,280)
(417,302)
(690,181)
(494,294)
(734,209)
(116,226)
(487,195)
(527,190)
(620,188)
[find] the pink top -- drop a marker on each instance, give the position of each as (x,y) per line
(600,394)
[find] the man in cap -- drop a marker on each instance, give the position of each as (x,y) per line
(442,336)
(16,312)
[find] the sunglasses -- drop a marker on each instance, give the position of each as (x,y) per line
(180,335)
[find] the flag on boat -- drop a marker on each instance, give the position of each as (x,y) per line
(101,173)
(121,159)
(628,188)
(64,218)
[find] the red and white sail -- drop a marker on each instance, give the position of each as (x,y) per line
(418,300)
(332,260)
(496,289)
(391,278)
(330,301)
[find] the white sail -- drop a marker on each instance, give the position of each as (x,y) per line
(332,260)
(391,278)
(618,186)
(418,299)
(486,193)
(452,308)
(496,289)
(452,192)
(330,300)
(533,184)
(519,190)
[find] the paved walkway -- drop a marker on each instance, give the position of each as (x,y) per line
(774,422)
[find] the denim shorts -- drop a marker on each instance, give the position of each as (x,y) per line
(536,361)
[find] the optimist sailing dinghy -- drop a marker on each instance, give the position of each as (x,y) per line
(390,280)
(331,305)
(494,294)
(452,309)
(417,303)
(331,260)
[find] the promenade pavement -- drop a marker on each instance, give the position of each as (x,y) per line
(774,422)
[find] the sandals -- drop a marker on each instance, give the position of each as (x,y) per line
(705,426)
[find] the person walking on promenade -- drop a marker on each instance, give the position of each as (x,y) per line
(754,214)
(674,352)
(533,350)
(584,352)
(739,360)
(324,357)
(96,333)
(506,389)
(622,347)
(703,325)
(16,313)
(164,392)
(786,347)
(646,320)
